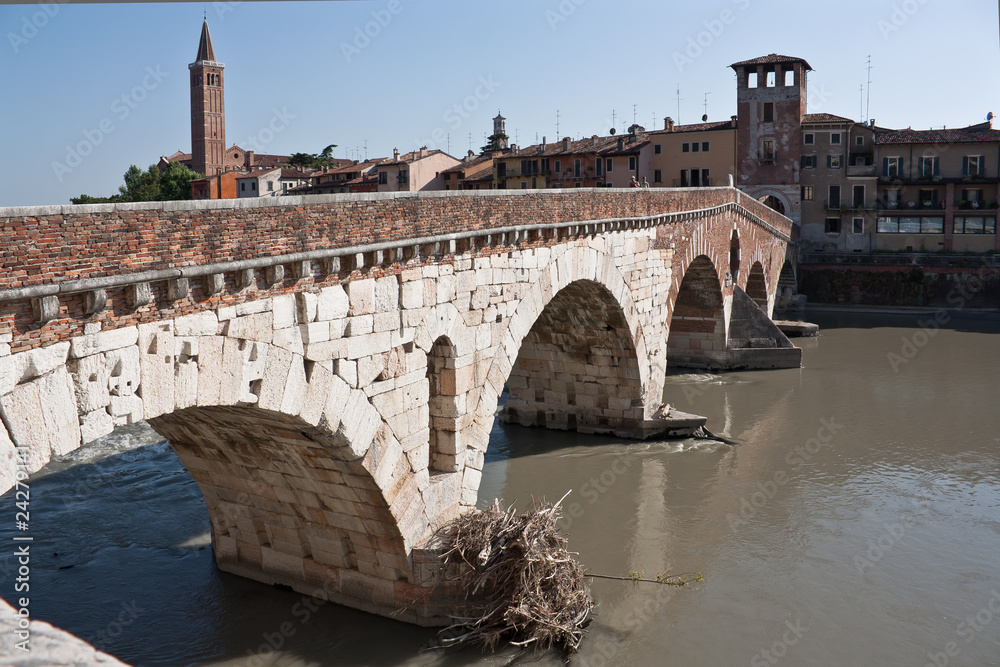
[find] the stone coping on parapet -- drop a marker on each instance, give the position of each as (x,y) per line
(309,200)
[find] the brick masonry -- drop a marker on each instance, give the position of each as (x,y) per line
(334,419)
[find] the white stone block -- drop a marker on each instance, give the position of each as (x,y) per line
(4,349)
(21,410)
(445,288)
(185,384)
(283,311)
(272,387)
(90,379)
(315,332)
(316,395)
(413,294)
(253,307)
(305,305)
(210,369)
(369,369)
(93,425)
(205,323)
(12,370)
(103,341)
(386,294)
(359,325)
(156,365)
(256,327)
(8,460)
(44,360)
(295,387)
(326,351)
(59,411)
(289,339)
(334,303)
(124,372)
(361,294)
(359,423)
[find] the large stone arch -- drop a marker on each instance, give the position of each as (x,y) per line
(605,284)
(756,286)
(697,335)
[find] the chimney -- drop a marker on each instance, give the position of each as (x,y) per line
(593,140)
(249,157)
(565,143)
(395,154)
(423,151)
(732,121)
(668,124)
(621,143)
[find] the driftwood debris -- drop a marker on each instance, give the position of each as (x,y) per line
(522,585)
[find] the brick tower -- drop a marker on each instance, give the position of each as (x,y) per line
(771,101)
(208,111)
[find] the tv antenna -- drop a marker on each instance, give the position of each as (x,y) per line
(706,105)
(634,107)
(678,104)
(557,124)
(869,101)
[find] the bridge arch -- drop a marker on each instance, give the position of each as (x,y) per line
(581,303)
(756,285)
(697,334)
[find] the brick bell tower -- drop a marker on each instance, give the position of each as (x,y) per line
(208,111)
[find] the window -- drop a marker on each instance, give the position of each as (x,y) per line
(976,225)
(833,161)
(807,193)
(808,161)
(270,186)
(243,186)
(859,141)
(972,165)
(607,165)
(525,167)
(558,166)
(930,225)
(809,138)
(657,149)
(383,176)
(577,168)
(767,150)
(545,165)
(789,77)
(770,81)
(858,226)
(695,146)
(631,163)
(685,147)
(752,80)
(928,198)
(706,179)
(835,138)
(768,112)
(534,182)
(524,185)
(972,197)
(704,147)
(657,176)
(253,185)
(599,163)
(832,226)
(684,178)
(834,199)
(892,167)
(859,196)
(928,166)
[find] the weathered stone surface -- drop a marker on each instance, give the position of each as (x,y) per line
(96,424)
(8,459)
(91,376)
(156,365)
(204,323)
(332,304)
(55,392)
(21,410)
(50,646)
(103,342)
(361,295)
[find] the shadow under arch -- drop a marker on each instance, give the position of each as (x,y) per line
(697,335)
(756,287)
(577,368)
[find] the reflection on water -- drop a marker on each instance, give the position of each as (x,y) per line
(856,523)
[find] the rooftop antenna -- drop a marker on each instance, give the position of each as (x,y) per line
(861,102)
(633,113)
(366,150)
(613,117)
(706,105)
(470,141)
(448,151)
(653,123)
(869,101)
(557,123)
(678,104)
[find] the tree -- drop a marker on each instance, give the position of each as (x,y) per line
(313,161)
(495,142)
(173,183)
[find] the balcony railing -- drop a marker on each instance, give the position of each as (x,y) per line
(861,170)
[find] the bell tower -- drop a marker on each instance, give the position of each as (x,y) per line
(208,112)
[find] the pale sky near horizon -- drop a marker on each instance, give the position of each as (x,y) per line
(91,88)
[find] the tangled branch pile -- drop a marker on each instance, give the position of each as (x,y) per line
(522,584)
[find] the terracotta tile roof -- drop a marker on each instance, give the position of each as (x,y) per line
(825,118)
(357,167)
(293,173)
(771,59)
(412,156)
(627,148)
(981,133)
(698,127)
(578,147)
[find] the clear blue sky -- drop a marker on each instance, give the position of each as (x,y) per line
(301,68)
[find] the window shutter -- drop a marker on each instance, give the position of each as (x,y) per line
(829,161)
(885,166)
(965,165)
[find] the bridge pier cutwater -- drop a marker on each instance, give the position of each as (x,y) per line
(328,368)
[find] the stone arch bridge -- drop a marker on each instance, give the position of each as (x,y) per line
(329,368)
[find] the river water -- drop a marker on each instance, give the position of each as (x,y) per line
(857,522)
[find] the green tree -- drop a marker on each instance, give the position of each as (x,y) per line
(173,183)
(494,143)
(313,160)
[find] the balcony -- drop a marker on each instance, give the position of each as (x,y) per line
(840,205)
(767,158)
(861,170)
(982,205)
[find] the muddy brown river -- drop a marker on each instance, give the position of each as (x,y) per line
(857,522)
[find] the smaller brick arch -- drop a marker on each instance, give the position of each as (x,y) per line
(697,334)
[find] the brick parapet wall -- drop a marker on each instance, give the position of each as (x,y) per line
(46,246)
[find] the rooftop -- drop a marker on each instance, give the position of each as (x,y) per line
(980,133)
(771,59)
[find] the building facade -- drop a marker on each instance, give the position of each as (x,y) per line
(208,110)
(697,155)
(414,171)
